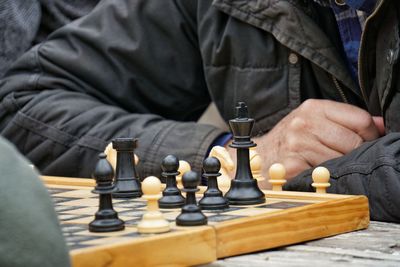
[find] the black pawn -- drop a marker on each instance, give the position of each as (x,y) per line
(244,189)
(106,218)
(172,197)
(191,214)
(212,198)
(126,182)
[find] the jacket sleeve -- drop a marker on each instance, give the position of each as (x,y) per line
(19,23)
(372,170)
(128,69)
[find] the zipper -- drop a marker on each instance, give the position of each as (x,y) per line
(339,89)
(362,88)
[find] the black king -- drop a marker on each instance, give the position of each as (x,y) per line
(244,189)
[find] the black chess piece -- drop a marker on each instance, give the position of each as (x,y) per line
(244,189)
(126,182)
(212,197)
(106,218)
(191,214)
(172,197)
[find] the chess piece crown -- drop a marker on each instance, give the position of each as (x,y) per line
(241,128)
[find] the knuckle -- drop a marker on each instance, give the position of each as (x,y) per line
(293,144)
(365,120)
(309,105)
(298,124)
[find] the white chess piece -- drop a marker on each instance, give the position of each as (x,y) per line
(153,221)
(112,156)
(184,166)
(320,176)
(277,176)
(256,165)
(227,165)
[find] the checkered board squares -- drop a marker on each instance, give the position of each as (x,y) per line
(77,236)
(76,207)
(285,218)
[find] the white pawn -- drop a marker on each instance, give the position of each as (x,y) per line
(227,165)
(112,156)
(320,176)
(184,166)
(256,165)
(277,176)
(153,220)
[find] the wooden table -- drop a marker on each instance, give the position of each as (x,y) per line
(379,245)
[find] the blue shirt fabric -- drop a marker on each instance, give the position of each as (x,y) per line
(350,17)
(221,140)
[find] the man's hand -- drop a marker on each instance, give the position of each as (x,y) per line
(318,130)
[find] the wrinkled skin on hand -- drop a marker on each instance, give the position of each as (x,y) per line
(316,131)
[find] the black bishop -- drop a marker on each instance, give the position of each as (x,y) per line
(106,218)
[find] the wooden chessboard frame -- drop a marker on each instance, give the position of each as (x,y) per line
(336,214)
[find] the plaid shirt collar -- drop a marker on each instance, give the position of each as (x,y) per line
(350,17)
(361,5)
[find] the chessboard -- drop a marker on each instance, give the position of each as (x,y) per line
(285,218)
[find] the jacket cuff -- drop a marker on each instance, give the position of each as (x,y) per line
(301,182)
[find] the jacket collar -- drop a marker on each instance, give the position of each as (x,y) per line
(294,29)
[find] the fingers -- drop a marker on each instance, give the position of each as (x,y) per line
(351,117)
(294,166)
(379,124)
(303,128)
(309,148)
(336,137)
(317,131)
